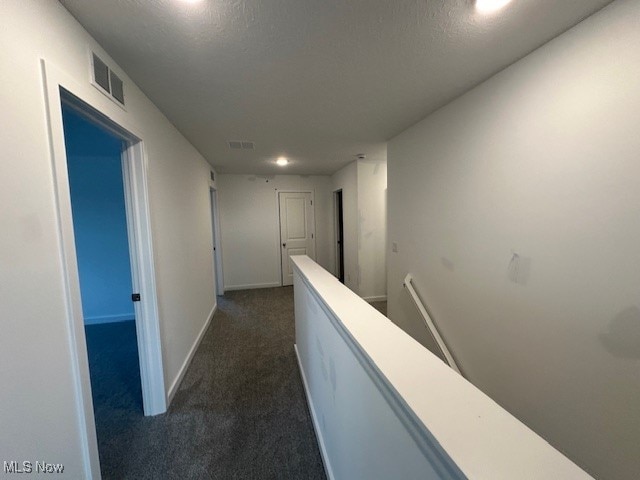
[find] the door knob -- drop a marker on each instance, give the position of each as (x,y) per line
(284,244)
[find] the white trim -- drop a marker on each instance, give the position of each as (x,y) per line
(187,361)
(100,319)
(99,109)
(376,298)
(323,448)
(252,286)
(144,279)
(68,263)
(217,241)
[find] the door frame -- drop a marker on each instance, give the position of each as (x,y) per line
(336,233)
(59,88)
(279,232)
(217,241)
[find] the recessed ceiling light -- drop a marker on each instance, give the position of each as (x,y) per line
(282,161)
(191,1)
(488,6)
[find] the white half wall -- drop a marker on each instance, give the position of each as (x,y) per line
(250,226)
(384,407)
(372,228)
(515,208)
(38,415)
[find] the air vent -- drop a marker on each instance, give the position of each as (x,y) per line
(238,145)
(106,80)
(101,73)
(117,88)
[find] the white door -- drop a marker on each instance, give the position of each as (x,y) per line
(297,230)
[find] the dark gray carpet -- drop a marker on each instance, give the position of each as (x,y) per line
(240,412)
(381,307)
(114,369)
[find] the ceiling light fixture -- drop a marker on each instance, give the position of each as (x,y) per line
(489,6)
(282,161)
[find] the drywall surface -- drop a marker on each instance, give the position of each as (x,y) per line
(363,184)
(429,422)
(94,165)
(372,228)
(346,179)
(515,208)
(250,226)
(38,415)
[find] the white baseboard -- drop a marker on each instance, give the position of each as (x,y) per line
(251,286)
(379,298)
(314,418)
(108,319)
(187,361)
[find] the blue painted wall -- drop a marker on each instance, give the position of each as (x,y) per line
(99,220)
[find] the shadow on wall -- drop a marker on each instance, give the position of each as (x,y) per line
(622,340)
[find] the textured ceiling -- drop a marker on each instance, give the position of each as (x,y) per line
(317,81)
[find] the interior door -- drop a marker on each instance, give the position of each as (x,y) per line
(297,230)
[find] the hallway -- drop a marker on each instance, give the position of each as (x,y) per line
(240,412)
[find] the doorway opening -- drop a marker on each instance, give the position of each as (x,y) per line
(62,91)
(102,244)
(297,230)
(339,229)
(217,243)
(106,235)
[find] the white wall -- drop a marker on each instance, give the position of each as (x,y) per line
(541,160)
(38,414)
(346,179)
(372,228)
(250,226)
(363,184)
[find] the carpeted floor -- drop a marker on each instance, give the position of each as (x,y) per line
(240,412)
(381,307)
(114,369)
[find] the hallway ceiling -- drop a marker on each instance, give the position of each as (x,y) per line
(316,81)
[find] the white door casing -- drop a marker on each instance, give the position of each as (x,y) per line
(217,243)
(297,229)
(61,88)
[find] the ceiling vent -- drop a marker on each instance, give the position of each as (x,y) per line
(105,80)
(237,145)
